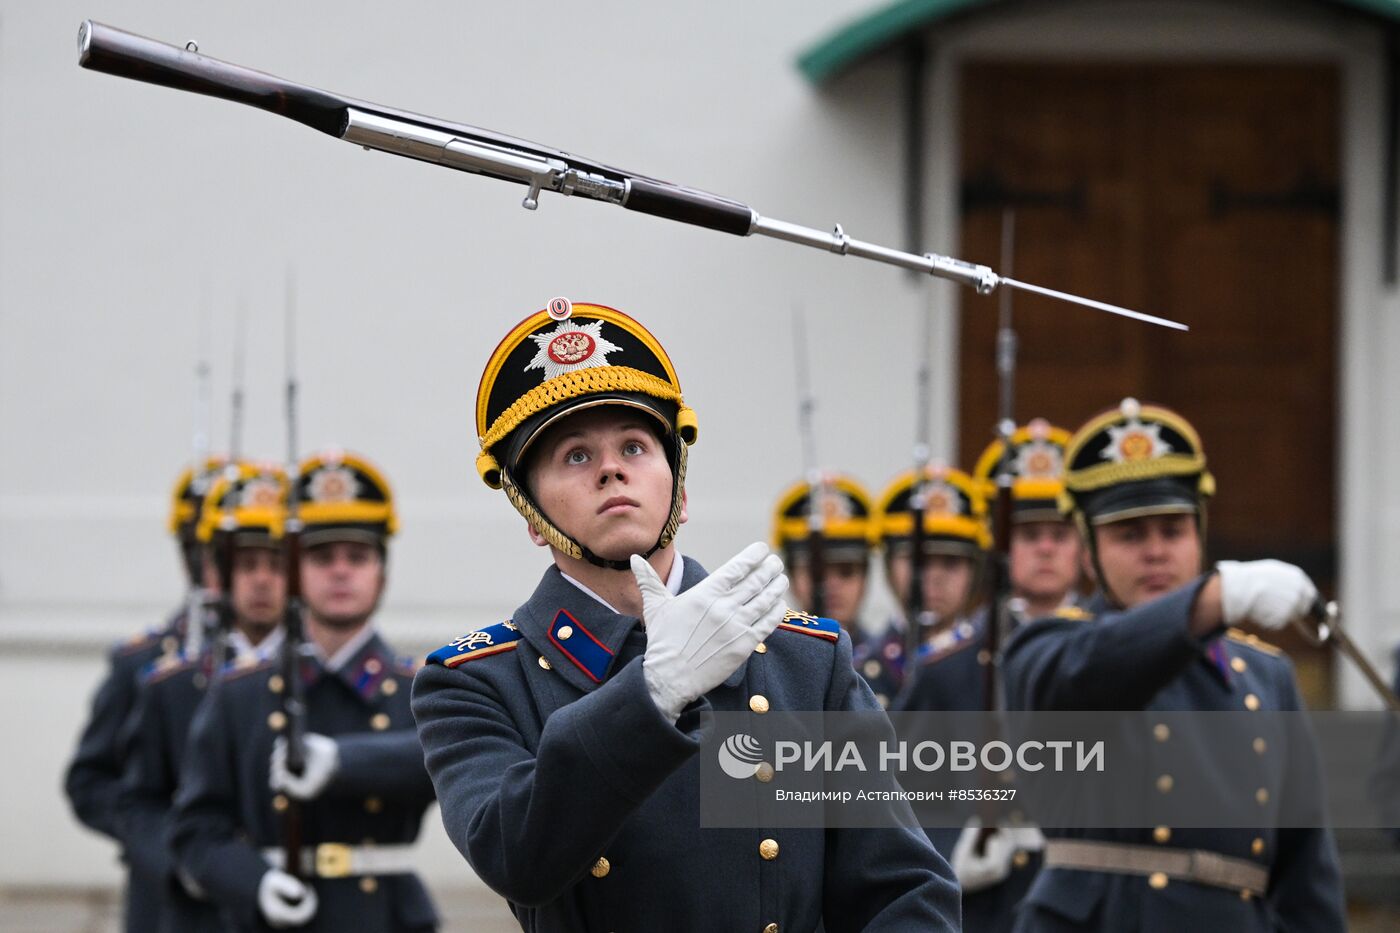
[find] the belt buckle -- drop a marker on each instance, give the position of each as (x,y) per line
(332,860)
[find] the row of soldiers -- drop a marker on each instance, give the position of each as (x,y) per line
(184,759)
(1134,481)
(562,743)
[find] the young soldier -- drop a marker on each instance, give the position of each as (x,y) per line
(845,558)
(95,774)
(956,538)
(1136,485)
(1044,567)
(241,516)
(362,793)
(562,742)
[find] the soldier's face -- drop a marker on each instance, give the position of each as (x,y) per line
(843,588)
(947,582)
(603,478)
(1044,560)
(1143,558)
(259,589)
(341,582)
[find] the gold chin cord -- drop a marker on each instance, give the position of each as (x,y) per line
(1322,626)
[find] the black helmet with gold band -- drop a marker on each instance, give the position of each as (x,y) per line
(955,514)
(846,520)
(560,360)
(1036,464)
(1135,460)
(249,502)
(341,496)
(188,495)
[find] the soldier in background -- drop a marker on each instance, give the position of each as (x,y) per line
(363,790)
(1044,555)
(956,539)
(94,777)
(845,559)
(241,515)
(1158,639)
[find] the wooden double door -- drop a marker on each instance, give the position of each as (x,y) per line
(1206,193)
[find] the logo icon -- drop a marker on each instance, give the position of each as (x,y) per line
(740,756)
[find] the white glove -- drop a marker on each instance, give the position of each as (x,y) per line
(1268,593)
(697,639)
(284,900)
(976,872)
(322,762)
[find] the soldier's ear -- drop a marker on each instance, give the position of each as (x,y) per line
(685,503)
(535,536)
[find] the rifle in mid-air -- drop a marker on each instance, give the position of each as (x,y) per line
(495,155)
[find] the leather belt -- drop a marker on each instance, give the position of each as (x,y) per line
(1199,865)
(338,860)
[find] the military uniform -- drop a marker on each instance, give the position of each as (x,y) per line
(560,777)
(879,658)
(227,827)
(573,798)
(1144,658)
(1129,463)
(94,777)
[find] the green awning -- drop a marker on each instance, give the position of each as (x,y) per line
(889,23)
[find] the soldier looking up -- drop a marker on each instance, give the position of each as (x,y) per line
(563,742)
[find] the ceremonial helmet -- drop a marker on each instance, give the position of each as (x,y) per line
(1036,463)
(341,496)
(185,502)
(846,520)
(955,514)
(1135,460)
(563,359)
(190,489)
(247,501)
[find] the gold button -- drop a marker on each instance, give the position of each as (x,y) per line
(1238,666)
(373,805)
(771,928)
(764,772)
(279,802)
(389,687)
(544,663)
(761,648)
(368,885)
(1160,732)
(1164,783)
(565,632)
(275,684)
(1257,846)
(1262,795)
(1157,880)
(1260,746)
(1162,834)
(601,868)
(379,722)
(169,643)
(872,668)
(983,657)
(758,703)
(883,700)
(373,666)
(277,720)
(1246,894)
(768,849)
(1020,860)
(1251,702)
